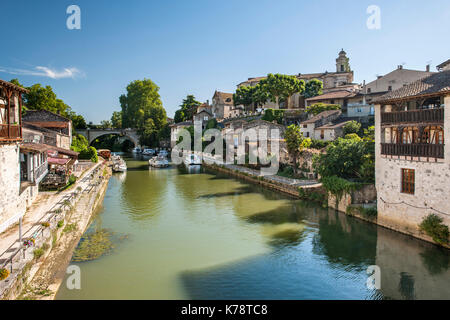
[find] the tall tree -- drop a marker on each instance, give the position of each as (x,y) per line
(244,96)
(187,109)
(116,119)
(141,101)
(295,143)
(281,87)
(313,88)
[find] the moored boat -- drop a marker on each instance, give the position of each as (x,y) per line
(159,162)
(192,160)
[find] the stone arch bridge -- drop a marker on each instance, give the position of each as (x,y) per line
(92,134)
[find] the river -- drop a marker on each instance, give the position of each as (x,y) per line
(201,235)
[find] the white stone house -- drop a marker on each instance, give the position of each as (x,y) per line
(330,132)
(175,129)
(412,126)
(308,127)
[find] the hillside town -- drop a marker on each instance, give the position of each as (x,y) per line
(373,150)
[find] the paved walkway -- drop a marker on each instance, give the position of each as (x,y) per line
(35,214)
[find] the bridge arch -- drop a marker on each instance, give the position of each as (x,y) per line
(92,134)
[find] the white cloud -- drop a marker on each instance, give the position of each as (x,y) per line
(45,72)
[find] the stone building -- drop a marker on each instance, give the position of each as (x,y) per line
(412,158)
(222,105)
(13,200)
(175,129)
(54,122)
(342,79)
(308,127)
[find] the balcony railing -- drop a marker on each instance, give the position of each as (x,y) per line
(39,172)
(413,116)
(9,132)
(413,150)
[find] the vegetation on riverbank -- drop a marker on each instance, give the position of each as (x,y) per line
(433,226)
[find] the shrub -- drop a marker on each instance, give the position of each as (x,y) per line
(60,224)
(338,186)
(352,127)
(319,144)
(4,273)
(45,224)
(433,226)
(89,153)
(38,253)
(70,227)
(317,108)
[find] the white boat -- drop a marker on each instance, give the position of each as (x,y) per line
(119,166)
(192,160)
(159,162)
(137,150)
(148,152)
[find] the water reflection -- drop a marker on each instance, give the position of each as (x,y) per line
(199,235)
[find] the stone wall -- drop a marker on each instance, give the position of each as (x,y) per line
(404,212)
(367,193)
(11,208)
(13,201)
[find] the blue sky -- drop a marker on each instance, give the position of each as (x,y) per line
(198,46)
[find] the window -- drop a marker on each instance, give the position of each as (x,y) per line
(307,134)
(305,126)
(390,88)
(369,90)
(408,181)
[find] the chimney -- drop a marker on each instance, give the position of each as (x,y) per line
(428,68)
(207,102)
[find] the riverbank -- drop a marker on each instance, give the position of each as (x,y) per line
(36,271)
(313,191)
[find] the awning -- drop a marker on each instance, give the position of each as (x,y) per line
(58,161)
(55,150)
(34,147)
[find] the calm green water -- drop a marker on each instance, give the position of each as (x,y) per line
(181,235)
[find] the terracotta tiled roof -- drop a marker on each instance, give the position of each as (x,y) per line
(434,85)
(333,125)
(333,95)
(443,64)
(322,115)
(224,97)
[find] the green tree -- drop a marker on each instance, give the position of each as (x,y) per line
(142,109)
(141,102)
(271,115)
(244,96)
(116,119)
(43,98)
(313,88)
(317,108)
(105,124)
(352,127)
(187,109)
(280,87)
(348,159)
(78,121)
(295,143)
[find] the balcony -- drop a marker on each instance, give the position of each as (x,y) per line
(9,132)
(413,150)
(413,116)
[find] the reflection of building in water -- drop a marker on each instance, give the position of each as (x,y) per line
(412,269)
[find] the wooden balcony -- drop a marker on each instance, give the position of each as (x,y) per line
(413,150)
(10,132)
(413,116)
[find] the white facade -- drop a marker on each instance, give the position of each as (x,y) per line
(404,211)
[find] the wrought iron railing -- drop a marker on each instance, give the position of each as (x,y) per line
(413,149)
(413,116)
